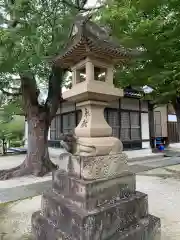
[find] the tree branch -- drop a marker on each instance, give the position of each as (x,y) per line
(54,90)
(29,88)
(11,94)
(82,5)
(14,21)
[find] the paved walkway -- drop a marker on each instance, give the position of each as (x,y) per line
(146,165)
(15,160)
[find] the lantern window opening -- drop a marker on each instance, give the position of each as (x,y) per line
(80,74)
(100,74)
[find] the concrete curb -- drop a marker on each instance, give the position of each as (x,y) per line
(150,157)
(24,191)
(171,153)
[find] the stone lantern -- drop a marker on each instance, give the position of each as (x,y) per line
(91,55)
(96,197)
(92,89)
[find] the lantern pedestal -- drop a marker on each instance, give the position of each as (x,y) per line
(96,197)
(78,209)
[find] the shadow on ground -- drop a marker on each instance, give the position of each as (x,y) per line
(15,218)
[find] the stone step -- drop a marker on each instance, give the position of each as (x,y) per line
(91,194)
(171,153)
(147,228)
(113,216)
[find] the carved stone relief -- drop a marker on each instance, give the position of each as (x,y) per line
(103,166)
(86,118)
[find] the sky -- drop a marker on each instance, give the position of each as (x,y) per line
(92,2)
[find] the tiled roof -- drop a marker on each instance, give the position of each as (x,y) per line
(91,40)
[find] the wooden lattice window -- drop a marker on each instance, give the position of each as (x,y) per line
(125,126)
(55,129)
(112,117)
(130,126)
(135,125)
(68,122)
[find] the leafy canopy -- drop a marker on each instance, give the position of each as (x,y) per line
(31,33)
(153,27)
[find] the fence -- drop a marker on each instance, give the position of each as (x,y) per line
(172,132)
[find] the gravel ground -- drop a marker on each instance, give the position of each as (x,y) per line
(164,196)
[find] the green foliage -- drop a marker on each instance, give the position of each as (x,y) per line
(39,35)
(11,128)
(11,125)
(13,106)
(32,33)
(16,143)
(16,127)
(153,27)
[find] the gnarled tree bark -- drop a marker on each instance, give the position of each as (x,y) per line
(37,161)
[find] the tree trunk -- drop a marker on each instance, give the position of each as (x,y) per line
(39,117)
(4,146)
(178,126)
(176,106)
(37,161)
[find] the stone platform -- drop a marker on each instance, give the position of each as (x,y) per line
(103,209)
(145,229)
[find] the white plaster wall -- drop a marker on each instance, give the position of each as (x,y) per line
(146,144)
(145,126)
(145,130)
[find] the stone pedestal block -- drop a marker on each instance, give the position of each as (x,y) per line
(101,209)
(146,229)
(96,167)
(102,221)
(93,193)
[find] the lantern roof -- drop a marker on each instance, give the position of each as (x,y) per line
(88,39)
